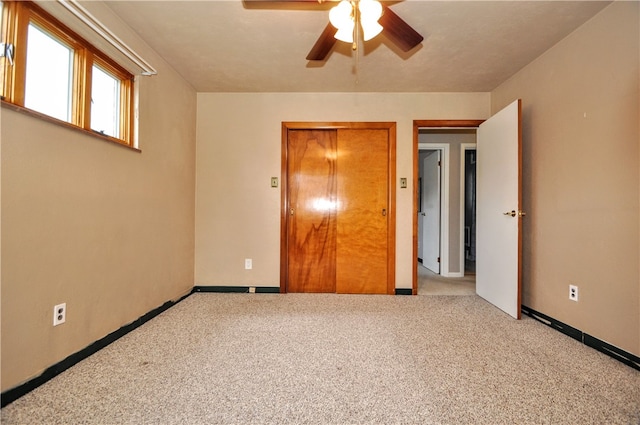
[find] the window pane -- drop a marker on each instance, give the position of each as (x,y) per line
(49,75)
(105,103)
(2,40)
(2,34)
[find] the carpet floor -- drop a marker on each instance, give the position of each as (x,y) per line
(337,359)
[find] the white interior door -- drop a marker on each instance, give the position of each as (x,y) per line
(421,215)
(499,222)
(431,210)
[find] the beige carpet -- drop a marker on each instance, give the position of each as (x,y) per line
(430,283)
(337,359)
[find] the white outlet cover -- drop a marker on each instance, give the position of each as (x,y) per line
(59,314)
(573,293)
(248,264)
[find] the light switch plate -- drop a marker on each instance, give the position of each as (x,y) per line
(403,182)
(274,182)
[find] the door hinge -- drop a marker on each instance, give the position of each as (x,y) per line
(438,259)
(439,163)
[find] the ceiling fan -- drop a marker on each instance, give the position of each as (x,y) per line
(391,25)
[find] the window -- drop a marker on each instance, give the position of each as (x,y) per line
(49,69)
(105,101)
(49,72)
(4,50)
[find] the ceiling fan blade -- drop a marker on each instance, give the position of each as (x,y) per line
(253,3)
(288,4)
(401,33)
(323,45)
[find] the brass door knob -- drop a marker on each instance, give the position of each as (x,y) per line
(514,213)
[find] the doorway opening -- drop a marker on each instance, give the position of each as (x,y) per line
(454,141)
(499,208)
(468,190)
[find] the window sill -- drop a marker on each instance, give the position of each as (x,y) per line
(70,126)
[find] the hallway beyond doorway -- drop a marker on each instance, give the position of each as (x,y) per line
(430,283)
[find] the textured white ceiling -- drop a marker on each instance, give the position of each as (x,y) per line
(469,46)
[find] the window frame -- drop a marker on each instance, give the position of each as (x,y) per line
(16,18)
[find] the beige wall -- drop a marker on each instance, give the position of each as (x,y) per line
(238,150)
(581,182)
(107,230)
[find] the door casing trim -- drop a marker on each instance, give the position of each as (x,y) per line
(417,125)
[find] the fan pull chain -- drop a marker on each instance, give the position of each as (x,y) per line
(357,67)
(356,37)
(356,26)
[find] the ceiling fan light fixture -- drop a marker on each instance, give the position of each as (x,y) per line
(370,29)
(345,34)
(342,17)
(370,12)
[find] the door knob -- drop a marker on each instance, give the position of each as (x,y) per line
(384,211)
(514,213)
(291,211)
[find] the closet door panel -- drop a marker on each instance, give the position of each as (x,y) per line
(363,211)
(312,220)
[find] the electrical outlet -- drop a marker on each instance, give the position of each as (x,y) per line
(252,289)
(573,292)
(59,314)
(248,264)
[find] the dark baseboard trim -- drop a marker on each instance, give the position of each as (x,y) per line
(267,290)
(51,372)
(555,324)
(238,289)
(233,289)
(612,351)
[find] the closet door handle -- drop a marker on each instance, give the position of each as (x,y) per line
(384,212)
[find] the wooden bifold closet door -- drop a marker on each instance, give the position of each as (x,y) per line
(336,215)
